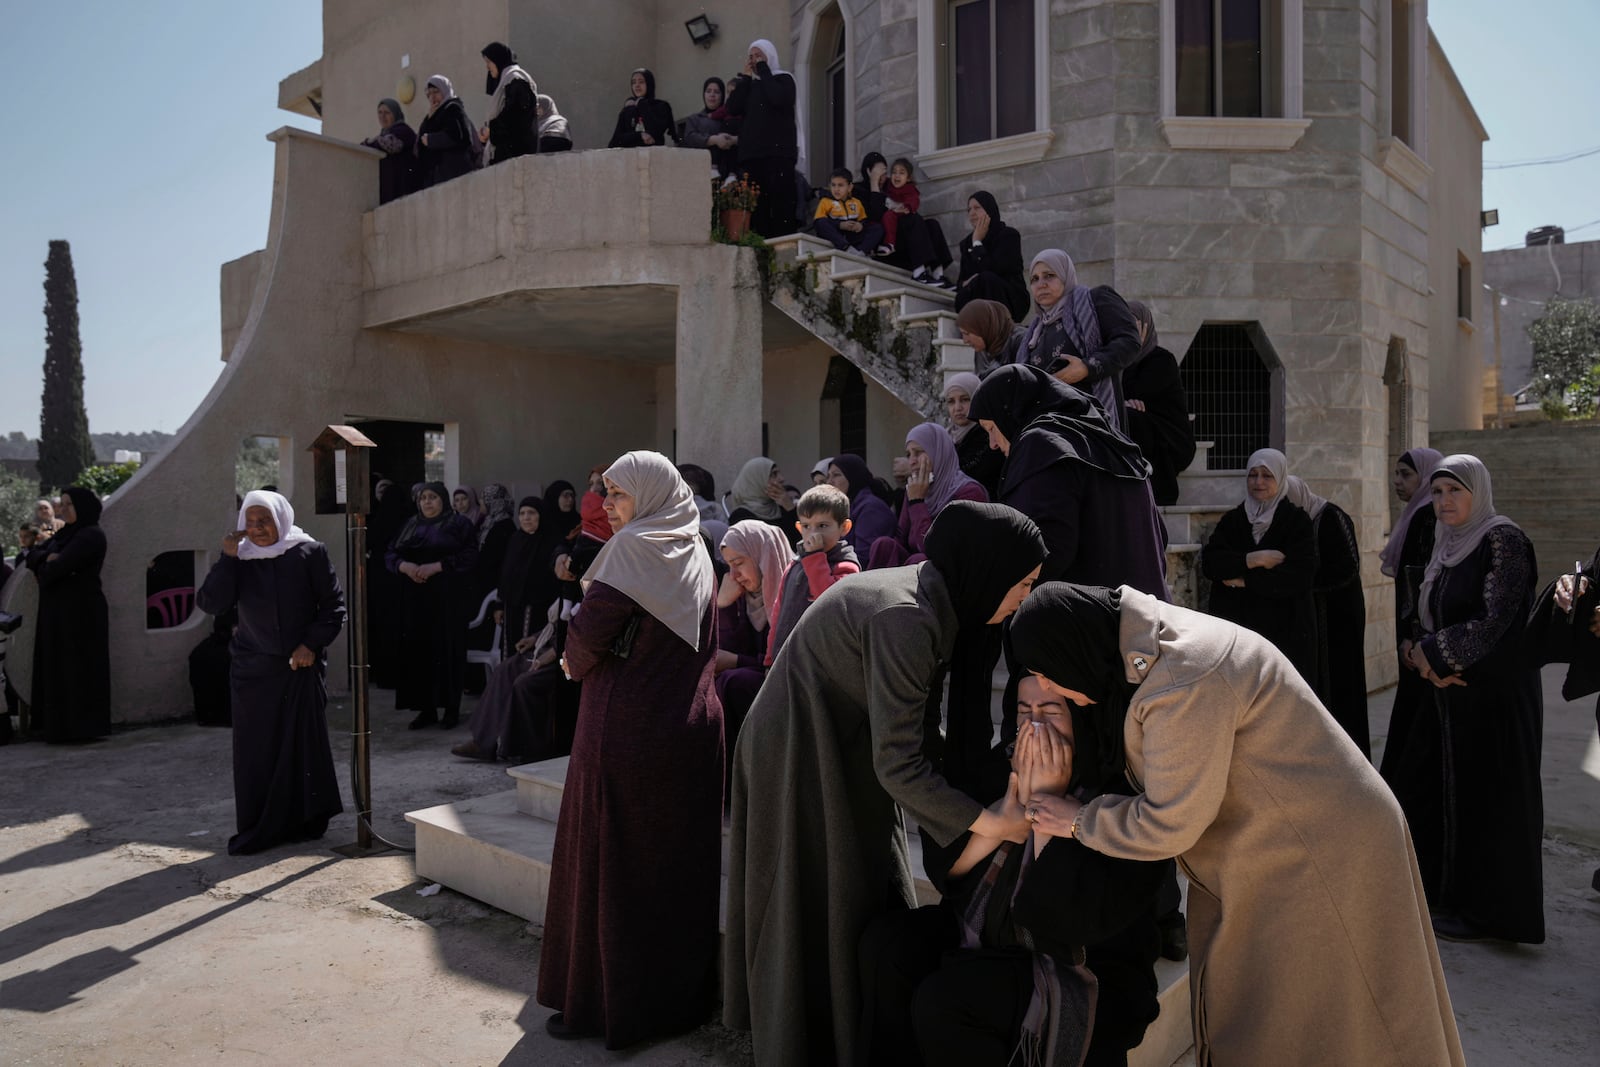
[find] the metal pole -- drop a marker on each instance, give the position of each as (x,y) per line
(360,728)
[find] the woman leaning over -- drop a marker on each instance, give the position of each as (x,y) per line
(72,643)
(1470,779)
(435,550)
(1308,929)
(290,610)
(630,938)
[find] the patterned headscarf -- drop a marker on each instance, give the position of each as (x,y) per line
(1453,544)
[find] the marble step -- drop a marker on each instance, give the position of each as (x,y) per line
(498,849)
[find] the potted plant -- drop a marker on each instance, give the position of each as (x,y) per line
(734,202)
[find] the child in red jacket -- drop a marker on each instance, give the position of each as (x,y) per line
(921,239)
(824,518)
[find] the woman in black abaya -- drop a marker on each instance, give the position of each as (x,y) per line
(71,652)
(833,743)
(1470,783)
(434,554)
(290,609)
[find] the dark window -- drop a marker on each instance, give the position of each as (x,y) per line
(1463,287)
(991,49)
(846,388)
(1229,386)
(1400,70)
(1222,62)
(836,104)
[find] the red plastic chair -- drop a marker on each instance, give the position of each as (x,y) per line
(172,606)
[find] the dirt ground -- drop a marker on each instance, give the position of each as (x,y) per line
(129,936)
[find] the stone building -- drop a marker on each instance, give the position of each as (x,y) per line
(1285,182)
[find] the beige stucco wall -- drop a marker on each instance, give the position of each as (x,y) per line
(237,287)
(1455,346)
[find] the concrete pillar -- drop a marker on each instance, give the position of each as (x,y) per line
(718,394)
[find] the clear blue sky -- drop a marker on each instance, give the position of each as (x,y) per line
(138,134)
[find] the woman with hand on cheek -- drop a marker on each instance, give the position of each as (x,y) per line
(290,610)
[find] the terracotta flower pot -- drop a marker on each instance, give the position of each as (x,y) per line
(735,223)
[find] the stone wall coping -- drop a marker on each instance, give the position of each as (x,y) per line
(1251,134)
(295,133)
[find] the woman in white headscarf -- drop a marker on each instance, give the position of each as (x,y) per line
(1086,337)
(447,145)
(764,96)
(290,610)
(554,135)
(1262,559)
(1469,782)
(630,935)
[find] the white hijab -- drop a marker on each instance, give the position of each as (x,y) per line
(1260,512)
(448,91)
(1453,544)
(1300,495)
(507,76)
(658,558)
(770,50)
(289,534)
(749,490)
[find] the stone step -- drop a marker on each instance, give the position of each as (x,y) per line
(943,323)
(955,357)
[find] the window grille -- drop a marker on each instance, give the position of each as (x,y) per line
(1229,388)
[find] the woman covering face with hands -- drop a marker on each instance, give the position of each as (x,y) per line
(1246,779)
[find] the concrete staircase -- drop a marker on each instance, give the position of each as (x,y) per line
(901,333)
(1543,481)
(498,849)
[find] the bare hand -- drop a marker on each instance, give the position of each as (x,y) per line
(1053,815)
(1233,583)
(1266,558)
(1136,405)
(981,230)
(919,478)
(850,227)
(563,571)
(811,542)
(301,658)
(726,661)
(230,543)
(646,138)
(526,643)
(1405,655)
(499,617)
(1564,597)
(729,592)
(779,494)
(483,135)
(1052,767)
(1074,372)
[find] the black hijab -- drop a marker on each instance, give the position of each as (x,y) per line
(856,472)
(502,57)
(88,509)
(987,201)
(527,576)
(411,534)
(721,85)
(1070,634)
(1047,421)
(982,551)
(870,160)
(562,522)
(1142,316)
(649,84)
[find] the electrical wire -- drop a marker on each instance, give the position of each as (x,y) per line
(1548,161)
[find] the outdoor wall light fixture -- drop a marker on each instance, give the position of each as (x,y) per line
(701,30)
(1489,218)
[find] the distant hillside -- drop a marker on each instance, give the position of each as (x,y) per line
(18,445)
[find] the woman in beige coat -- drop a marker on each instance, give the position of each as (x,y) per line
(1308,928)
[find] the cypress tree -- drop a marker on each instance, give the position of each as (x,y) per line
(64,445)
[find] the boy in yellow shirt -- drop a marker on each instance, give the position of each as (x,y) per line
(842,220)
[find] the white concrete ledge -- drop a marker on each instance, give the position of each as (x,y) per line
(986,155)
(1260,135)
(1403,165)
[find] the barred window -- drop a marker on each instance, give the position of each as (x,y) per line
(1232,379)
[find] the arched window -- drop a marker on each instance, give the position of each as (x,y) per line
(1234,384)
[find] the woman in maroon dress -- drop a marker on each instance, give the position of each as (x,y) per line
(630,934)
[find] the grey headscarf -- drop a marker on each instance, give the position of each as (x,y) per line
(441,83)
(1082,324)
(1260,512)
(1300,495)
(1452,544)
